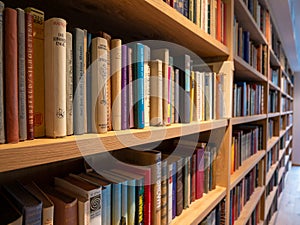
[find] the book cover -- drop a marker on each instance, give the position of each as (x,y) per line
(11,75)
(55,77)
(124,89)
(199,172)
(89,82)
(147,96)
(38,71)
(21,75)
(116,64)
(2,126)
(192,95)
(130,89)
(69,83)
(176,96)
(8,212)
(85,50)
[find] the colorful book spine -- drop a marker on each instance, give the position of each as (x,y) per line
(2,126)
(164,192)
(69,80)
(130,89)
(11,75)
(147,57)
(124,89)
(199,172)
(176,96)
(21,75)
(55,77)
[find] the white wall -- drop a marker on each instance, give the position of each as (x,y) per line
(296,120)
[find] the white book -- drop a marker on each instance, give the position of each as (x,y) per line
(116,65)
(69,84)
(170,192)
(55,77)
(84,79)
(147,85)
(197,95)
(99,85)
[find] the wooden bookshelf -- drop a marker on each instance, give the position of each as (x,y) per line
(273,218)
(273,59)
(247,119)
(272,86)
(199,209)
(271,143)
(271,172)
(271,115)
(280,174)
(287,112)
(269,200)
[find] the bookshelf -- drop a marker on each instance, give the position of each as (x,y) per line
(156,20)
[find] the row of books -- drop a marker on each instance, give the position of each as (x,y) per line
(248,99)
(273,101)
(216,216)
(274,72)
(273,209)
(241,193)
(272,183)
(285,85)
(254,54)
(246,141)
(275,42)
(255,217)
(92,83)
(272,156)
(289,120)
(208,14)
(271,128)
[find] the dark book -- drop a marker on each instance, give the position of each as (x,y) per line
(179,187)
(124,90)
(2,126)
(199,172)
(193,177)
(246,46)
(8,212)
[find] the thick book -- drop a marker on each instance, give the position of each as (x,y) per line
(156,82)
(55,77)
(29,70)
(38,71)
(9,214)
(124,89)
(69,83)
(48,207)
(2,128)
(147,56)
(11,75)
(21,75)
(79,96)
(116,64)
(98,85)
(25,202)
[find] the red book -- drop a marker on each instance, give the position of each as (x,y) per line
(199,172)
(224,22)
(11,75)
(29,75)
(219,21)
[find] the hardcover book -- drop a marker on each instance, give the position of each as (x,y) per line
(124,89)
(2,126)
(69,83)
(8,212)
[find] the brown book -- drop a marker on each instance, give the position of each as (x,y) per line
(11,75)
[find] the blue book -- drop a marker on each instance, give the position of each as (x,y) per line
(174,192)
(243,85)
(246,46)
(78,81)
(138,85)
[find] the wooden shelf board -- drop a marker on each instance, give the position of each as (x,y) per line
(272,86)
(248,23)
(287,77)
(243,71)
(281,133)
(286,95)
(250,206)
(272,142)
(271,172)
(280,173)
(271,115)
(199,209)
(281,154)
(247,119)
(45,150)
(286,160)
(246,167)
(269,200)
(274,59)
(287,112)
(273,218)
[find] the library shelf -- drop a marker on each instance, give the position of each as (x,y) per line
(243,71)
(280,173)
(271,172)
(269,200)
(272,142)
(286,95)
(247,119)
(45,150)
(287,112)
(281,154)
(250,206)
(248,23)
(271,115)
(199,209)
(273,86)
(287,76)
(245,168)
(283,132)
(273,218)
(274,59)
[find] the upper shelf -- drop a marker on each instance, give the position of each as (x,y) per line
(272,86)
(44,150)
(273,59)
(247,119)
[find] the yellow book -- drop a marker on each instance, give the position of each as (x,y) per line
(192,90)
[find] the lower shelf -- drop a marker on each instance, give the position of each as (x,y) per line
(269,200)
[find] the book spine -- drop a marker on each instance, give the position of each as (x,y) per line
(139,212)
(124,89)
(69,85)
(169,96)
(116,204)
(179,187)
(89,83)
(164,193)
(174,188)
(165,61)
(176,96)
(130,89)
(147,54)
(193,178)
(38,71)
(192,90)
(55,77)
(11,75)
(116,63)
(170,194)
(21,75)
(84,80)
(199,172)
(124,203)
(2,128)
(78,82)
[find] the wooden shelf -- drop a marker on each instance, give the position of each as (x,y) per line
(247,22)
(269,200)
(283,132)
(287,95)
(274,59)
(272,142)
(286,160)
(247,119)
(287,112)
(246,167)
(250,206)
(44,150)
(281,154)
(280,173)
(273,218)
(243,71)
(272,86)
(271,115)
(271,172)
(199,209)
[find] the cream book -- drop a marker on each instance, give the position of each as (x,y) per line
(69,84)
(55,77)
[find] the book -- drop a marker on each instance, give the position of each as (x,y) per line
(8,212)
(25,202)
(124,89)
(98,85)
(89,82)
(29,70)
(38,71)
(192,93)
(156,81)
(11,75)
(130,89)
(47,204)
(21,75)
(164,192)
(84,79)
(199,172)
(116,64)
(2,125)
(176,96)
(147,57)
(55,77)
(69,83)
(78,82)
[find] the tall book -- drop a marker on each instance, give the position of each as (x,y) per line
(124,89)
(69,83)
(2,128)
(55,77)
(116,64)
(176,96)
(130,89)
(21,75)
(11,75)
(192,93)
(8,212)
(164,192)
(38,70)
(156,81)
(147,57)
(29,65)
(78,82)
(98,85)
(85,50)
